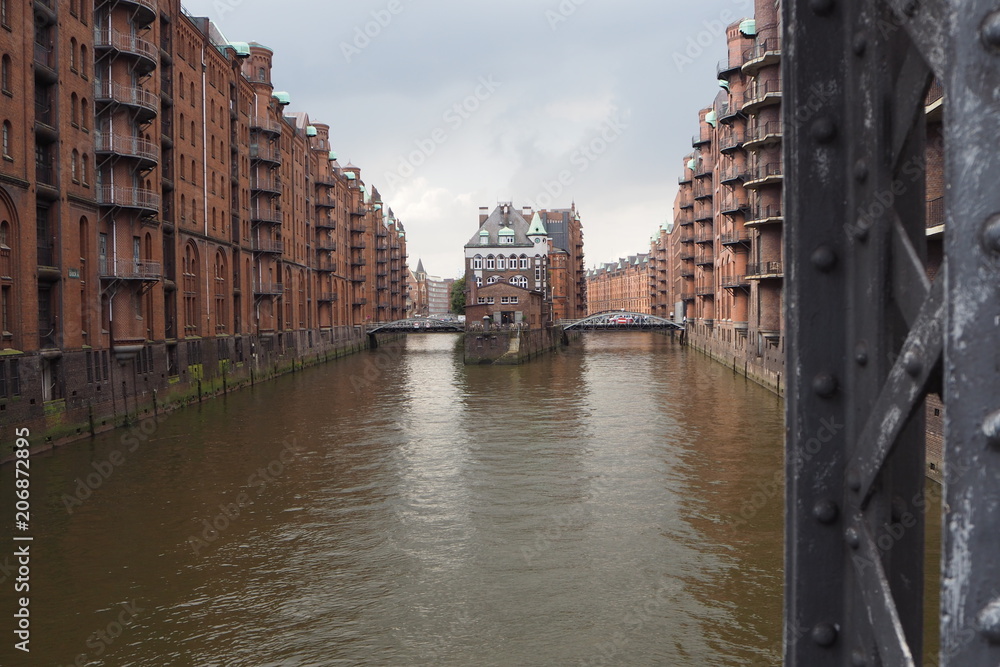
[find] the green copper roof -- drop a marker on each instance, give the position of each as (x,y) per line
(537,226)
(506,231)
(350,176)
(749,27)
(712,118)
(692,164)
(724,84)
(311,131)
(242,49)
(333,156)
(378,207)
(283,97)
(483,232)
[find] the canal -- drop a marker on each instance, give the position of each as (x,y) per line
(617,503)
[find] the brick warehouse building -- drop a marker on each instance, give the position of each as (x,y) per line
(165,225)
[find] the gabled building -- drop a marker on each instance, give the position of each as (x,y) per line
(507,269)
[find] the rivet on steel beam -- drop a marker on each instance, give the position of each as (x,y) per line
(912,364)
(852,538)
(991,428)
(861,171)
(858,658)
(991,232)
(821,7)
(989,622)
(854,480)
(990,31)
(861,354)
(824,634)
(824,385)
(826,511)
(824,258)
(823,130)
(860,44)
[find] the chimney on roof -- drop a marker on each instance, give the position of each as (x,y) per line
(526,212)
(484,213)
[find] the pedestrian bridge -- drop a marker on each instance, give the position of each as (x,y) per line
(418,325)
(620,320)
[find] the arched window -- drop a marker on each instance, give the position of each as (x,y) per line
(221,311)
(490,263)
(501,263)
(524,261)
(83,60)
(477,262)
(479,281)
(85,169)
(84,114)
(519,281)
(182,124)
(75,166)
(492,280)
(183,208)
(192,93)
(181,87)
(7,149)
(74,111)
(5,74)
(181,170)
(191,289)
(72,51)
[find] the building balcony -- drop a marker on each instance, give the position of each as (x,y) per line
(734,282)
(699,140)
(44,59)
(761,95)
(129,269)
(687,273)
(146,152)
(265,182)
(763,134)
(265,153)
(703,190)
(145,103)
(326,265)
(731,141)
(739,238)
(359,245)
(265,126)
(326,223)
(685,179)
(764,174)
(328,297)
(268,246)
(704,215)
(325,200)
(733,205)
(360,211)
(764,215)
(724,69)
(263,288)
(360,301)
(733,174)
(764,271)
(687,204)
(706,259)
(145,201)
(144,10)
(762,54)
(687,256)
(687,296)
(703,170)
(935,212)
(705,236)
(146,53)
(326,245)
(358,278)
(707,291)
(265,214)
(359,261)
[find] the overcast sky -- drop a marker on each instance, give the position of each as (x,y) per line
(449,105)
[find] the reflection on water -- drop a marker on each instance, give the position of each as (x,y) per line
(613,504)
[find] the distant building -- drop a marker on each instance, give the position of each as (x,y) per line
(568,277)
(439,296)
(507,267)
(621,285)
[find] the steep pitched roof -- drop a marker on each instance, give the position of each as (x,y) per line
(504,216)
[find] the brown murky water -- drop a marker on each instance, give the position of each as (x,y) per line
(613,504)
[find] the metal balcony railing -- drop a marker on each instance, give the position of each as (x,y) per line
(112,91)
(757,93)
(109,38)
(129,269)
(268,245)
(760,214)
(265,153)
(764,269)
(265,125)
(128,197)
(268,288)
(121,144)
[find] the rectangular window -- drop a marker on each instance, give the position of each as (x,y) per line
(513,299)
(501,263)
(90,366)
(490,264)
(104,365)
(482,299)
(524,262)
(538,275)
(489,300)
